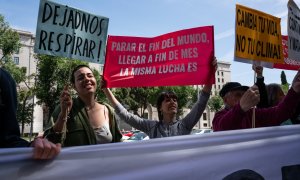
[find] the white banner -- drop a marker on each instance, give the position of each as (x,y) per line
(68,32)
(269,153)
(293,31)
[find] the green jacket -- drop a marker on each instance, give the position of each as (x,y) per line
(78,130)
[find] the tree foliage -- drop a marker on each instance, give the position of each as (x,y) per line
(53,73)
(284,83)
(25,93)
(9,39)
(10,43)
(283,78)
(135,98)
(25,107)
(285,88)
(215,103)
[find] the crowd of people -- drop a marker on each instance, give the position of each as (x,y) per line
(241,110)
(85,121)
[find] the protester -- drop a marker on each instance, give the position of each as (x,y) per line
(263,102)
(271,95)
(167,106)
(275,94)
(239,103)
(9,127)
(82,120)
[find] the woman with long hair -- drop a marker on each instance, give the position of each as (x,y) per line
(82,120)
(168,124)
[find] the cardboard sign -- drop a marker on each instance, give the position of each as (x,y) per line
(289,64)
(68,32)
(258,36)
(293,31)
(177,58)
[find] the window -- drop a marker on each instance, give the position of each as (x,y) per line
(205,124)
(218,79)
(204,116)
(222,73)
(222,80)
(16,60)
(218,72)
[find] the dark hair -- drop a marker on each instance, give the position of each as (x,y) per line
(272,91)
(244,174)
(72,78)
(161,98)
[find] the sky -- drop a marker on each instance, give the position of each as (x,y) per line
(150,18)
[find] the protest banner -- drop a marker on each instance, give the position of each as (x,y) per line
(260,153)
(289,64)
(257,36)
(293,31)
(178,58)
(68,32)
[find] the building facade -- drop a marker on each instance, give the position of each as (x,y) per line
(25,58)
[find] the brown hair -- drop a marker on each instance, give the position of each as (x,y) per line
(273,91)
(161,98)
(72,78)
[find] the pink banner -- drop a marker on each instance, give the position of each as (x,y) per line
(178,58)
(289,64)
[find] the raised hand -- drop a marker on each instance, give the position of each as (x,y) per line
(250,98)
(258,69)
(44,149)
(103,83)
(214,63)
(65,100)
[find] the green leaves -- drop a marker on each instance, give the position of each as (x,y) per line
(283,78)
(52,75)
(284,83)
(9,39)
(215,103)
(135,98)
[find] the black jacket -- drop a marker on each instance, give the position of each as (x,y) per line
(9,127)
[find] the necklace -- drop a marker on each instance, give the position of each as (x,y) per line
(90,108)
